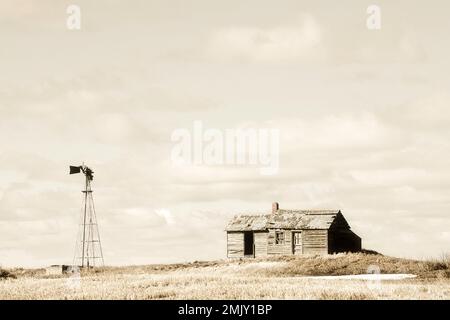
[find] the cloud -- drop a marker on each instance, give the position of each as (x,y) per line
(400,48)
(280,43)
(335,132)
(18,9)
(166,214)
(411,49)
(427,113)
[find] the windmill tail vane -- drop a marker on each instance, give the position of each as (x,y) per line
(88,248)
(86,170)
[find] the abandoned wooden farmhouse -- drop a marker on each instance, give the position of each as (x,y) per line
(288,232)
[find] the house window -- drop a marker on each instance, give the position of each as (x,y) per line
(279,237)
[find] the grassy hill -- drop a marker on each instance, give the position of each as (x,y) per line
(271,278)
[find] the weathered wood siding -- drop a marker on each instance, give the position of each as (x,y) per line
(235,244)
(279,249)
(260,239)
(315,241)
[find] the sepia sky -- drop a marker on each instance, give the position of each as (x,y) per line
(363,117)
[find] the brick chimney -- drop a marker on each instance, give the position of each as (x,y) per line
(275,207)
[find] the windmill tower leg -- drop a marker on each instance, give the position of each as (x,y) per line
(83,242)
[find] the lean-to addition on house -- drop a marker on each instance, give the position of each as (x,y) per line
(285,232)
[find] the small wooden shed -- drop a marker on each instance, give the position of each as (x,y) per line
(290,232)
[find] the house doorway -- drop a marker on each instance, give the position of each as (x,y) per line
(297,243)
(248,243)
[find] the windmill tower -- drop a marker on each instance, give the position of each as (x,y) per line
(88,248)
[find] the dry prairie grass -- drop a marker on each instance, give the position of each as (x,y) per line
(272,278)
(358,263)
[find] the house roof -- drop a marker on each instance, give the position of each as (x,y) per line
(284,219)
